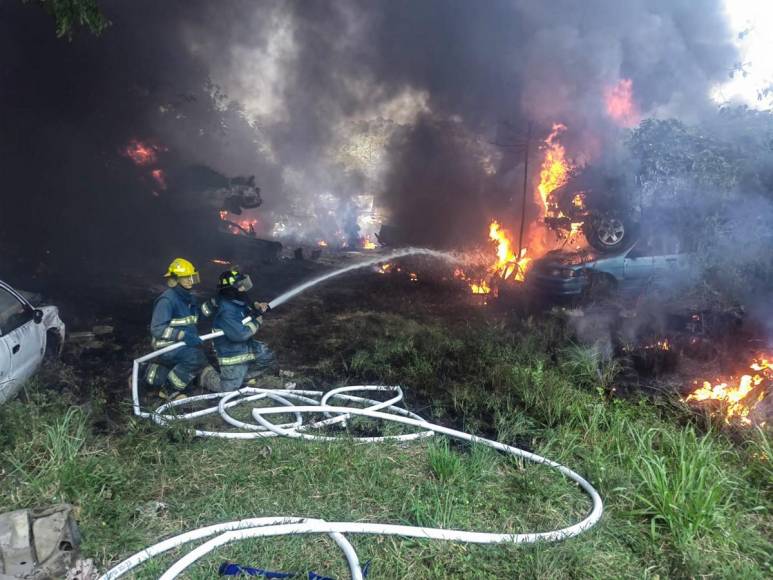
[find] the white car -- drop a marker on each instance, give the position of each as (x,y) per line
(27,334)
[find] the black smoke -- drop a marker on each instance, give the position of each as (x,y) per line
(400,99)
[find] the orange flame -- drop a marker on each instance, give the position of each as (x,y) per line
(555,171)
(555,167)
(322,244)
(367,244)
(248,226)
(508,264)
(482,288)
(141,153)
(659,345)
(737,398)
(620,105)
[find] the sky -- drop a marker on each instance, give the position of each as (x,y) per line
(751,22)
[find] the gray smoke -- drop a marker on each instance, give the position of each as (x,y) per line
(329,103)
(404,99)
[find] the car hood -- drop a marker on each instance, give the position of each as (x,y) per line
(562,258)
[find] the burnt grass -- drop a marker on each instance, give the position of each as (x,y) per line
(684,496)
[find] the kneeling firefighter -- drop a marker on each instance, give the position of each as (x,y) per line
(238,353)
(175,314)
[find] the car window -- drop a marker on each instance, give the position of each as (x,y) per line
(642,249)
(656,245)
(13,313)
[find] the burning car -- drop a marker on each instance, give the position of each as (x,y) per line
(598,205)
(27,335)
(590,272)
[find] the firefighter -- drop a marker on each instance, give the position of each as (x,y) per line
(239,354)
(175,314)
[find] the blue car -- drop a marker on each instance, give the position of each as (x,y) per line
(641,266)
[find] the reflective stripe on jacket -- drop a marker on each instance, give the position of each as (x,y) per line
(235,319)
(173,312)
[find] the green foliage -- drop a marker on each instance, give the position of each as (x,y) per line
(678,502)
(446,464)
(713,180)
(70,14)
(676,163)
(588,368)
(682,488)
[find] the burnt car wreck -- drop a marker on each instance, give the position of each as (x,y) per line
(598,205)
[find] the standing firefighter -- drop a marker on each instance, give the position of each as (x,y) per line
(175,314)
(238,353)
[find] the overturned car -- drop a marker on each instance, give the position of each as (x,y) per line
(644,264)
(598,205)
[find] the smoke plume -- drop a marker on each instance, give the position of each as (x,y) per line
(415,105)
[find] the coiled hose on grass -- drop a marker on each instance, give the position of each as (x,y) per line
(316,402)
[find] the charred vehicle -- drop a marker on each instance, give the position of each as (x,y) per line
(211,206)
(598,205)
(27,335)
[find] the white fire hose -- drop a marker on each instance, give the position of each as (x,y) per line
(316,402)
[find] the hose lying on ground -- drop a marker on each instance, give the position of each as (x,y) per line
(317,402)
(320,403)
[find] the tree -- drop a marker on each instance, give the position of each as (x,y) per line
(715,183)
(69,14)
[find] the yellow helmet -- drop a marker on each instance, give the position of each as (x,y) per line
(180,268)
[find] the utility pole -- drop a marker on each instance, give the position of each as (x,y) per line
(525,189)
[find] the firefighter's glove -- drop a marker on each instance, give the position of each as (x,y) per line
(261,307)
(253,323)
(191,337)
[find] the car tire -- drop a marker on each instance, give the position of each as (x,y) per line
(609,231)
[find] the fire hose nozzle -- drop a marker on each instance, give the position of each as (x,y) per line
(261,307)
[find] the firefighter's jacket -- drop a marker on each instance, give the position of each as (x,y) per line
(174,312)
(239,324)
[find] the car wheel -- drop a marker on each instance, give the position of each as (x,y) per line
(608,232)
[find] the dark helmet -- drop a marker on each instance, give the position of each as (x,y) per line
(234,279)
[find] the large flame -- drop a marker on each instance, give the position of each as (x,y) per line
(508,264)
(555,172)
(737,397)
(620,104)
(555,167)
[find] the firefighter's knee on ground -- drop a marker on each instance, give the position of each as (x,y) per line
(232,376)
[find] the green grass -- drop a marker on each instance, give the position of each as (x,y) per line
(681,500)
